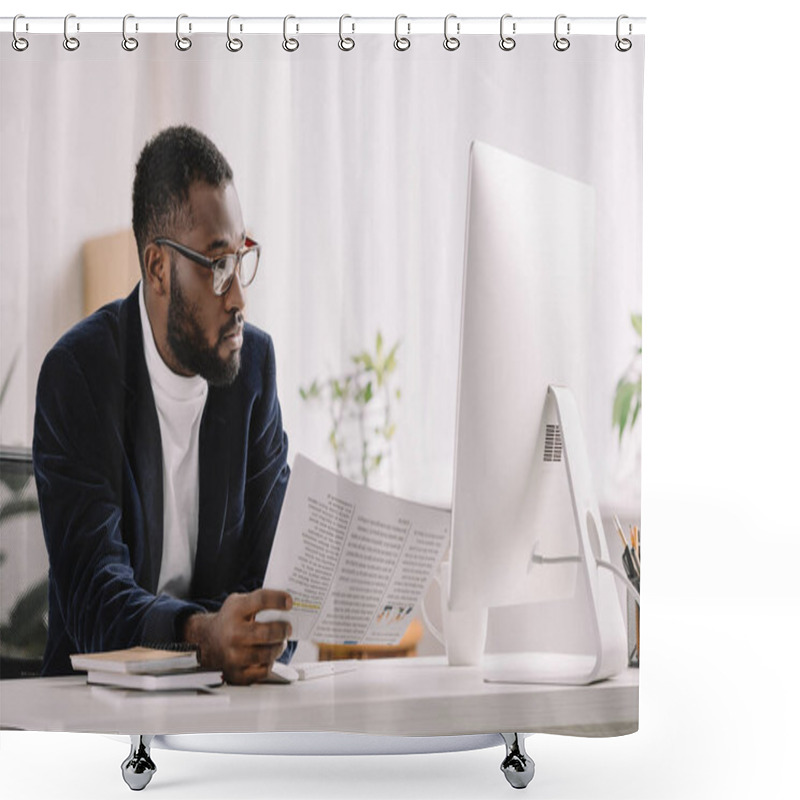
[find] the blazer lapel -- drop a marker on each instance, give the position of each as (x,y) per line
(143,444)
(214,474)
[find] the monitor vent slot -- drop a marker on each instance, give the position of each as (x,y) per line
(552,443)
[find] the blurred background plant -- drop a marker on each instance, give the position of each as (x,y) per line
(24,632)
(628,396)
(360,404)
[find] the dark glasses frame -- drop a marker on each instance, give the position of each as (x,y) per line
(217,265)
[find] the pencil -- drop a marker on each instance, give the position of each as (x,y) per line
(636,548)
(636,561)
(619,531)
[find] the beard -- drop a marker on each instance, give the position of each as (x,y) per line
(188,342)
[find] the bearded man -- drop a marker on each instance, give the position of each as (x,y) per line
(159,451)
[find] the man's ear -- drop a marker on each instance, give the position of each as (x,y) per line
(156,269)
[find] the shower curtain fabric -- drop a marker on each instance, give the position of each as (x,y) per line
(352,171)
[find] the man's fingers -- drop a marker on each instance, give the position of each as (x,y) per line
(259,634)
(264,598)
(265,656)
(249,657)
(249,648)
(262,657)
(264,633)
(249,674)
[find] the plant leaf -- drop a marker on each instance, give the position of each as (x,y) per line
(19,507)
(9,375)
(363,359)
(636,321)
(391,360)
(636,410)
(622,405)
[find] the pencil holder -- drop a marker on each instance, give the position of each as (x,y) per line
(633,632)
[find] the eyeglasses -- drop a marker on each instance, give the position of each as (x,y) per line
(245,260)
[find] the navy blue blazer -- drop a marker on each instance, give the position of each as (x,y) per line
(98,467)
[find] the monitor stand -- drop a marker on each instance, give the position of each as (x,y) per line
(608,653)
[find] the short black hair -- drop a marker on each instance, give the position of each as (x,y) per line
(169,164)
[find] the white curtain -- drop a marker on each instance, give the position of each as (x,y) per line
(352,173)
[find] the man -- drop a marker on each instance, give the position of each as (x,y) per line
(159,451)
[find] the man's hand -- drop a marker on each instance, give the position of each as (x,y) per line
(232,641)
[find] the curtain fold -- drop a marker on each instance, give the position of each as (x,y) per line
(352,169)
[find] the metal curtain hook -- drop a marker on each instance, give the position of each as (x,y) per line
(18,43)
(401,42)
(233,44)
(451,42)
(70,42)
(129,43)
(623,45)
(561,43)
(507,42)
(289,45)
(346,43)
(182,42)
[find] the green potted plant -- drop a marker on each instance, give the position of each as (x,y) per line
(360,403)
(628,396)
(24,632)
(621,493)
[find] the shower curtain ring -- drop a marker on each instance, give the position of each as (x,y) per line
(70,42)
(182,42)
(623,45)
(401,42)
(18,43)
(346,43)
(233,44)
(289,45)
(451,42)
(561,43)
(129,43)
(507,42)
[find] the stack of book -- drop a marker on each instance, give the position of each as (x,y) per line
(146,668)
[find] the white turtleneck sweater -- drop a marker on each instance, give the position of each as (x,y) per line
(179,403)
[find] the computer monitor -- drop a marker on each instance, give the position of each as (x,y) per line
(522,480)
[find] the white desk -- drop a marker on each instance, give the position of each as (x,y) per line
(400,697)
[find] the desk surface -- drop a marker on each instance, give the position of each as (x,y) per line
(401,697)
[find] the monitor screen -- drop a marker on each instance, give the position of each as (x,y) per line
(525,323)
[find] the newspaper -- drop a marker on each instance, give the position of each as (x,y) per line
(356,561)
